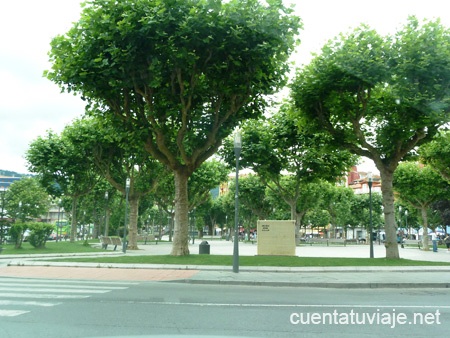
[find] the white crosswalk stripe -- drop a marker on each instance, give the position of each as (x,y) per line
(19,296)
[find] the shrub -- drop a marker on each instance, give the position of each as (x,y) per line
(16,232)
(39,232)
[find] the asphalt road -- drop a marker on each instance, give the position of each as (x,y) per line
(72,308)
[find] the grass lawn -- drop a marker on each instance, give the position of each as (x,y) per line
(223,260)
(51,247)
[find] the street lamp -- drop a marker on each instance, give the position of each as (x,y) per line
(193,228)
(406,223)
(369,176)
(3,191)
(127,190)
(106,214)
(58,226)
(237,152)
(20,211)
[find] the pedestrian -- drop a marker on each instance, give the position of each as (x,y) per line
(434,239)
(447,242)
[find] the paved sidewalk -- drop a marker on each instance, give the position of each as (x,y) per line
(31,266)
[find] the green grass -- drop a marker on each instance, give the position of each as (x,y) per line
(222,260)
(51,247)
(282,261)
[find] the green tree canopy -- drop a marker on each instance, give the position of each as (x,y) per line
(420,186)
(26,199)
(379,97)
(63,169)
(437,154)
(181,74)
(286,157)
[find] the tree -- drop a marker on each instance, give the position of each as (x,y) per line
(252,195)
(181,74)
(420,186)
(286,157)
(337,200)
(379,97)
(63,169)
(26,199)
(115,157)
(360,211)
(437,154)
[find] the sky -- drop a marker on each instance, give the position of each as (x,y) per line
(31,105)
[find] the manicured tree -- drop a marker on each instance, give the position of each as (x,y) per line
(286,157)
(26,199)
(252,194)
(420,186)
(337,200)
(181,74)
(379,97)
(63,170)
(437,154)
(115,158)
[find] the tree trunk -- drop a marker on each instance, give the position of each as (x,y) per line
(180,246)
(425,240)
(132,228)
(389,214)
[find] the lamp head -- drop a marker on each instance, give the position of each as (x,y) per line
(237,140)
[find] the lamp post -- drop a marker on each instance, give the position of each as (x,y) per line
(106,214)
(20,211)
(228,228)
(406,223)
(58,226)
(3,191)
(127,190)
(369,176)
(237,152)
(193,228)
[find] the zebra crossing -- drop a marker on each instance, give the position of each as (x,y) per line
(19,296)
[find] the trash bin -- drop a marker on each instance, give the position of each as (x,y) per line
(203,248)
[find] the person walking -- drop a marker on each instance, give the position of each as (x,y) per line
(434,239)
(447,242)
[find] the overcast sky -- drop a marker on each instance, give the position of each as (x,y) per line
(30,105)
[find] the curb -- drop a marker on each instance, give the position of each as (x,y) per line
(343,269)
(339,285)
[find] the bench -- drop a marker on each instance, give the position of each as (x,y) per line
(326,241)
(107,240)
(145,238)
(414,242)
(337,241)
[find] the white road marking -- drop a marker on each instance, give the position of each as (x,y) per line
(51,290)
(11,313)
(362,306)
(26,303)
(2,284)
(40,296)
(19,292)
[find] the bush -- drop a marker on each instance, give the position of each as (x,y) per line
(16,232)
(39,232)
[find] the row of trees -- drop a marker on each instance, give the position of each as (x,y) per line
(172,79)
(323,205)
